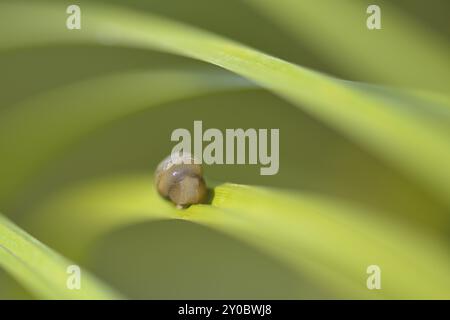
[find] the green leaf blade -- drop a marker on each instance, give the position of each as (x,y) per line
(371,122)
(330,241)
(41,270)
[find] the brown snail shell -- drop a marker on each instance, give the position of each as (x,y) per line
(179,179)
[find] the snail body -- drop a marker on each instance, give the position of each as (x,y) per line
(179,179)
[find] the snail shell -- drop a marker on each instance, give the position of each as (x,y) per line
(179,179)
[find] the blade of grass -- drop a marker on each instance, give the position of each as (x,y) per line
(116,202)
(42,125)
(337,31)
(330,241)
(425,106)
(391,133)
(41,270)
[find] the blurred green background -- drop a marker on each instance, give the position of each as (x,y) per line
(179,259)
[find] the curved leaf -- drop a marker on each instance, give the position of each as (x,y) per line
(330,241)
(115,202)
(337,31)
(41,126)
(378,125)
(41,270)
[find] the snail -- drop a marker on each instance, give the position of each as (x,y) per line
(180,179)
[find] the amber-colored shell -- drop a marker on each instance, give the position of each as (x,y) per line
(181,180)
